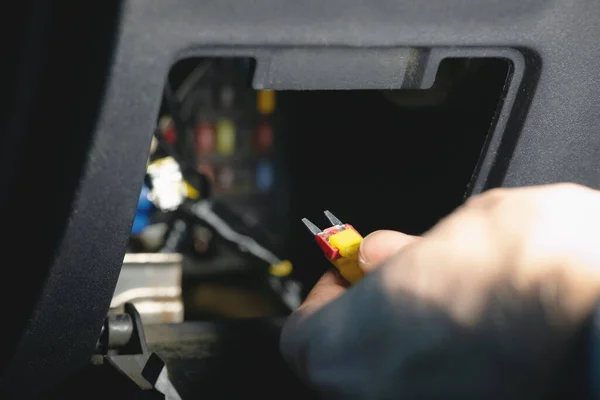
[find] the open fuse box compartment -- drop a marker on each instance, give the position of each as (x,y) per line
(396,150)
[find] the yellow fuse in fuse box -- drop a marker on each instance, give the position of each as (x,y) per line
(265,101)
(225,137)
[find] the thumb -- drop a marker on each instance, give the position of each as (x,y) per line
(380,245)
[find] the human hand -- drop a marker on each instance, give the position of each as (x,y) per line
(488,304)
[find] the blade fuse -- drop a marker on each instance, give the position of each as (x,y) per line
(340,243)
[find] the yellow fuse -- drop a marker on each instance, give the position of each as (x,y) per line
(225,137)
(347,242)
(265,101)
(349,269)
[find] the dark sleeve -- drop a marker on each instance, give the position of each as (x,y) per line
(373,344)
(594,355)
(579,376)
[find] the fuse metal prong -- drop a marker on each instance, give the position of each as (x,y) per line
(315,230)
(332,218)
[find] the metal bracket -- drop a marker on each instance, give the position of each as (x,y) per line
(122,367)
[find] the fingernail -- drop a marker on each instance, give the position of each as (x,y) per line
(364,250)
(380,245)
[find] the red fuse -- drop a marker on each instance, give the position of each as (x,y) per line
(263,139)
(170,135)
(167,128)
(205,138)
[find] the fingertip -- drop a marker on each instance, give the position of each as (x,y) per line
(380,245)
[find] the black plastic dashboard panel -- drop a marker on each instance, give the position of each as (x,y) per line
(546,131)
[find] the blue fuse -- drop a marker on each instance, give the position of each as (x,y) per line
(140,222)
(142,215)
(264,175)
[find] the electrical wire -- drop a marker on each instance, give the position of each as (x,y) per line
(174,236)
(203,210)
(288,290)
